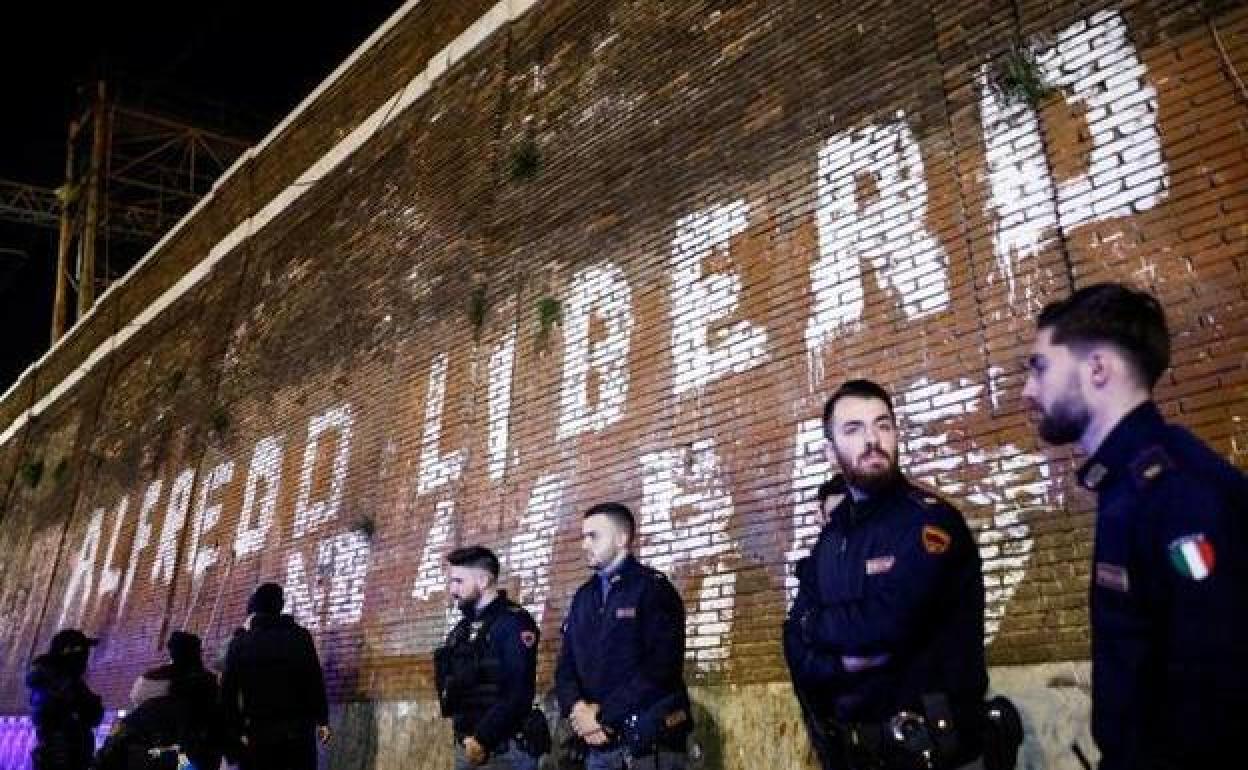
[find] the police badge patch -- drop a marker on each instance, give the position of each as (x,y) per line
(935,539)
(528,638)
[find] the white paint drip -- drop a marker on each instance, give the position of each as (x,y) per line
(207,515)
(1005,481)
(701,301)
(266,470)
(142,538)
(1096,65)
(889,231)
(333,595)
(430,576)
(110,575)
(436,470)
(78,589)
(599,291)
(502,366)
(690,478)
(175,518)
(311,515)
(533,544)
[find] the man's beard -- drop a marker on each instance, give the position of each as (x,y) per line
(468,605)
(1066,421)
(871,481)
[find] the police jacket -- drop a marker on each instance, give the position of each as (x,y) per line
(1168,598)
(890,608)
(273,676)
(65,713)
(491,671)
(624,651)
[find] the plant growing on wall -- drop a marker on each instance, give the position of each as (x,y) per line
(549,314)
(525,160)
(219,419)
(1020,78)
(477,310)
(365,525)
(31,472)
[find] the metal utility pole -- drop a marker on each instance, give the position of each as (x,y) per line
(130,174)
(60,309)
(86,245)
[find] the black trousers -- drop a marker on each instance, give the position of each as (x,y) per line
(280,746)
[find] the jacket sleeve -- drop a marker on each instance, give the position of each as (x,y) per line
(808,667)
(567,679)
(662,659)
(318,703)
(925,552)
(514,639)
(231,709)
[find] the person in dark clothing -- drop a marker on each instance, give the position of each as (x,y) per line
(827,751)
(487,670)
(202,732)
(886,635)
(1169,589)
(64,710)
(149,737)
(273,690)
(620,674)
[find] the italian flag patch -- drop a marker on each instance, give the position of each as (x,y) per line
(1192,556)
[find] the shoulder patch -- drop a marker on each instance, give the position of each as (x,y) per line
(528,638)
(1149,465)
(935,540)
(1192,556)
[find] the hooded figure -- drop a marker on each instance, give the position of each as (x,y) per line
(64,710)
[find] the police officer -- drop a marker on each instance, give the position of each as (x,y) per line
(273,690)
(885,638)
(487,670)
(619,678)
(63,708)
(1169,589)
(827,750)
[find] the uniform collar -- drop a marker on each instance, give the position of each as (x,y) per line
(493,607)
(1139,429)
(619,572)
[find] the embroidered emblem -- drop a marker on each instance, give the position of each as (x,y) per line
(935,539)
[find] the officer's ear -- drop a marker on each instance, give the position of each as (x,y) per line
(1102,366)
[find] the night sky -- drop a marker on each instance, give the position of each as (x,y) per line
(245,64)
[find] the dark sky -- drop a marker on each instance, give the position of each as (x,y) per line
(249,63)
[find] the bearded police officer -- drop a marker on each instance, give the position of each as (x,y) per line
(1169,592)
(885,638)
(486,672)
(620,673)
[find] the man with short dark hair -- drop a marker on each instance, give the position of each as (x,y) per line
(619,677)
(64,710)
(273,690)
(487,670)
(1169,590)
(885,638)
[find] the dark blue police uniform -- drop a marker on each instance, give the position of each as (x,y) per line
(493,654)
(894,579)
(1168,603)
(625,651)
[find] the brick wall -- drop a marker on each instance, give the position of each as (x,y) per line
(732,206)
